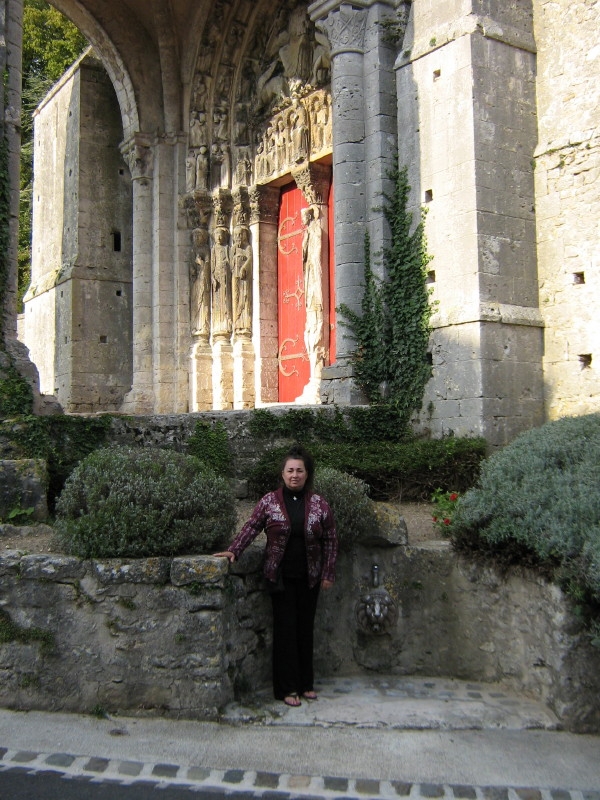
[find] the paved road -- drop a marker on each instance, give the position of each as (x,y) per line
(383,738)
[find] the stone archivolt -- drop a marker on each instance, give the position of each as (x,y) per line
(260,109)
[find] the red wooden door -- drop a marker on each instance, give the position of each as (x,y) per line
(294,369)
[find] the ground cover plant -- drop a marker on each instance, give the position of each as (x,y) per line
(126,502)
(537,502)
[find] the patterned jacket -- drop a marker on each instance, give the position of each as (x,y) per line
(270,515)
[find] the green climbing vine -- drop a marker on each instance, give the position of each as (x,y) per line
(392,331)
(4,230)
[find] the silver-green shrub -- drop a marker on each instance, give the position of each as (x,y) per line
(540,497)
(353,510)
(137,503)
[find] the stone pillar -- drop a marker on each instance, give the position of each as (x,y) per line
(170,284)
(222,374)
(364,125)
(201,376)
(138,154)
(466,85)
(264,209)
(243,374)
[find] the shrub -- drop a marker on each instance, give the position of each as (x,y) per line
(538,500)
(352,508)
(136,503)
(411,469)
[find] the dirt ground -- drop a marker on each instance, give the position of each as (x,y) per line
(35,540)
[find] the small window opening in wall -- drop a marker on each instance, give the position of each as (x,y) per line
(430,359)
(430,276)
(116,237)
(579,277)
(437,73)
(121,171)
(585,360)
(103,339)
(119,293)
(428,195)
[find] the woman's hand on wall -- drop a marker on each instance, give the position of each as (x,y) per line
(225,554)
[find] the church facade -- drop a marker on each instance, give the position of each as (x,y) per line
(206,175)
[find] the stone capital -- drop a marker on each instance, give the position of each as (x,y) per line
(313,180)
(264,204)
(137,153)
(344,25)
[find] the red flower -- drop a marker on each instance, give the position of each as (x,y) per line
(453,497)
(446,521)
(434,519)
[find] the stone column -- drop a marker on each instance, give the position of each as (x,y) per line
(170,279)
(242,258)
(364,142)
(138,154)
(264,208)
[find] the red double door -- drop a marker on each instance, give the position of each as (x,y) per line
(294,368)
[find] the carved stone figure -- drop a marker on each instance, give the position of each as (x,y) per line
(241,261)
(202,169)
(200,284)
(299,134)
(243,170)
(190,171)
(198,134)
(221,284)
(313,290)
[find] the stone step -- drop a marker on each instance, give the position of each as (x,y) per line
(402,703)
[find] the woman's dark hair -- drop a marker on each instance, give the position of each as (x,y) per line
(301,454)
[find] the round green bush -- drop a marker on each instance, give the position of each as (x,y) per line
(353,510)
(538,500)
(137,503)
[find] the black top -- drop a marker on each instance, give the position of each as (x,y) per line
(293,564)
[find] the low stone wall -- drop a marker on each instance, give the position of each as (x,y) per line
(184,636)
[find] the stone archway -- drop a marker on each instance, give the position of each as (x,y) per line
(259,117)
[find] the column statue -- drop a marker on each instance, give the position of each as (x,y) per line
(221,284)
(242,281)
(200,280)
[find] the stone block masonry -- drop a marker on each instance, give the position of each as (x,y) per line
(183,637)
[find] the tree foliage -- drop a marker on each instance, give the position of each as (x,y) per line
(392,331)
(50,45)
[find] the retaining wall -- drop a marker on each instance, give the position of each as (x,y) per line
(184,636)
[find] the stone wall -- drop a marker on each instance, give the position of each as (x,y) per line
(567,182)
(184,636)
(467,133)
(78,308)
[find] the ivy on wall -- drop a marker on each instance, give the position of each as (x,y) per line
(392,331)
(4,231)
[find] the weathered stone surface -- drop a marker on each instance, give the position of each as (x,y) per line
(392,530)
(118,639)
(52,568)
(204,569)
(143,570)
(23,485)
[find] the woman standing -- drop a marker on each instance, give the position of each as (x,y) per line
(300,558)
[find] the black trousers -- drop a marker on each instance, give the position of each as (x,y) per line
(293,619)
